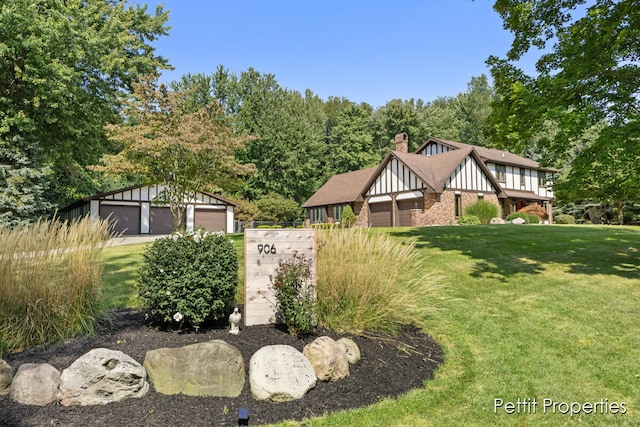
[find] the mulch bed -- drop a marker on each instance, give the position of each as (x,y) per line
(388,368)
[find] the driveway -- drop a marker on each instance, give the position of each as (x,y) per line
(130,240)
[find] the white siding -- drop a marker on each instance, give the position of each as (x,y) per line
(149,193)
(434,148)
(469,176)
(395,178)
(513,180)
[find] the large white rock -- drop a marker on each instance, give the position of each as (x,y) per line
(212,368)
(328,358)
(280,373)
(6,376)
(518,221)
(102,376)
(496,221)
(35,384)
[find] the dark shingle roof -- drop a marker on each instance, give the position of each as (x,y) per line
(434,170)
(490,154)
(343,188)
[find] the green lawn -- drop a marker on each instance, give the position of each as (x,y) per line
(523,312)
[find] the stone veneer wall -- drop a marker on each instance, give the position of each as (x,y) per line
(361,210)
(441,210)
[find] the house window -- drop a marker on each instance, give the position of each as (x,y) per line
(542,179)
(523,181)
(338,212)
(480,196)
(501,173)
(458,205)
(317,215)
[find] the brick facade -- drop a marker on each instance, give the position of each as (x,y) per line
(439,209)
(361,210)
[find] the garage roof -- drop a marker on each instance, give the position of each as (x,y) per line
(343,188)
(109,194)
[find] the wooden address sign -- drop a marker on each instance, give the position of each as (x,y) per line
(263,250)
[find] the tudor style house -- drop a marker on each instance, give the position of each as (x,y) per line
(432,186)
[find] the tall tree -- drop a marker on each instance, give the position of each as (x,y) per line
(590,74)
(395,117)
(22,182)
(351,145)
(167,142)
(289,149)
(440,119)
(473,108)
(63,65)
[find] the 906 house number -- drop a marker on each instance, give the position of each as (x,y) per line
(267,249)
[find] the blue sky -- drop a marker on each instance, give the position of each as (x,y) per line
(365,50)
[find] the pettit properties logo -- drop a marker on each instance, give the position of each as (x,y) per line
(550,406)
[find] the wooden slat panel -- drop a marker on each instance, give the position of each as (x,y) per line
(263,251)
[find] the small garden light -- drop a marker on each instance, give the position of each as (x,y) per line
(243,416)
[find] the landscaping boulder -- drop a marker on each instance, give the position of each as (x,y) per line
(6,376)
(102,376)
(518,221)
(212,368)
(351,350)
(328,358)
(35,384)
(280,373)
(497,221)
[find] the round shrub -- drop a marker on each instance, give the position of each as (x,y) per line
(188,279)
(469,220)
(514,215)
(564,219)
(483,210)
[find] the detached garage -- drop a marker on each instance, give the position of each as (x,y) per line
(132,211)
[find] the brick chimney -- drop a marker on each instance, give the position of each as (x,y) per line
(402,142)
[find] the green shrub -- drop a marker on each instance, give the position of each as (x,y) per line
(188,279)
(50,286)
(276,207)
(529,219)
(348,218)
(369,281)
(469,220)
(483,210)
(295,294)
(564,219)
(533,219)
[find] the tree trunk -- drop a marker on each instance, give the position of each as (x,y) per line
(620,213)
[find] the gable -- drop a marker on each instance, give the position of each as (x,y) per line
(433,148)
(395,177)
(145,194)
(469,175)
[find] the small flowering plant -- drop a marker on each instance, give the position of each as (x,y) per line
(295,294)
(188,279)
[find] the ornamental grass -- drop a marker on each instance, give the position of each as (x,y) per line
(368,281)
(50,274)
